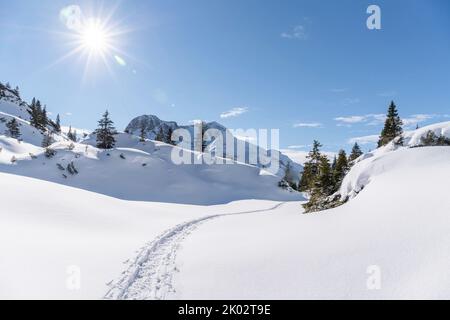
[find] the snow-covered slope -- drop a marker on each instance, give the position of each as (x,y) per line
(391,242)
(149,175)
(12,106)
(152,125)
(370,165)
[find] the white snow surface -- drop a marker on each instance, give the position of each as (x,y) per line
(46,229)
(370,165)
(137,226)
(398,225)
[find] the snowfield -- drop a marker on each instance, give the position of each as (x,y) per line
(399,223)
(128,223)
(58,227)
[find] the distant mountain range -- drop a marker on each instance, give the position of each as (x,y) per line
(160,130)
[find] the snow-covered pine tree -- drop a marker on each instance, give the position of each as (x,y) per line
(356,152)
(13,128)
(430,139)
(105,132)
(392,127)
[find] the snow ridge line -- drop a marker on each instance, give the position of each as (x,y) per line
(150,275)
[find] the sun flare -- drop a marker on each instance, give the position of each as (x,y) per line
(94,38)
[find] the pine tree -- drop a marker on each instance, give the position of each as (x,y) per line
(311,168)
(142,136)
(13,128)
(71,135)
(324,182)
(429,139)
(47,140)
(356,153)
(105,132)
(289,176)
(322,187)
(34,116)
(38,116)
(44,118)
(160,135)
(392,127)
(204,142)
(169,136)
(58,124)
(340,170)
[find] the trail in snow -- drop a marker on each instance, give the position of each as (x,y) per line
(150,275)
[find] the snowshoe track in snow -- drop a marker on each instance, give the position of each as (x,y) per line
(150,275)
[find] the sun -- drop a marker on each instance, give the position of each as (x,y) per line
(93,37)
(96,39)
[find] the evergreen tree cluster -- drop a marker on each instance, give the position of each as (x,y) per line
(432,139)
(321,180)
(38,115)
(13,128)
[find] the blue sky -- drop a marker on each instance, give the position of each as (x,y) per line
(310,68)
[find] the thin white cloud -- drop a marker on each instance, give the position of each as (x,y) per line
(351,119)
(68,114)
(308,125)
(368,119)
(298,146)
(416,119)
(298,32)
(377,119)
(364,139)
(300,157)
(235,112)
